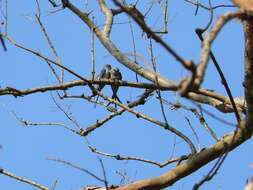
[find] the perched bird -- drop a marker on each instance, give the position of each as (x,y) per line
(104,74)
(115,75)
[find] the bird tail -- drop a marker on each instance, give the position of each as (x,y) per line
(96,101)
(115,97)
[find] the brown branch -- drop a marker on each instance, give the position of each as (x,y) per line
(89,98)
(92,55)
(159,123)
(244,4)
(43,28)
(138,102)
(204,96)
(155,121)
(248,70)
(194,163)
(69,116)
(109,18)
(26,123)
(161,165)
(28,181)
(205,54)
(139,19)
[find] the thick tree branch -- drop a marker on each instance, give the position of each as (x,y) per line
(211,36)
(248,70)
(227,143)
(139,19)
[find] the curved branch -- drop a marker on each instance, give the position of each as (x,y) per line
(109,18)
(118,157)
(205,53)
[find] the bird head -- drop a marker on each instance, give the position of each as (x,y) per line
(108,66)
(116,69)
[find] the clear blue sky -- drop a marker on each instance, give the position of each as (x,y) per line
(24,149)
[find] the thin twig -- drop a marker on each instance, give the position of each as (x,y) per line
(77,167)
(92,55)
(211,18)
(165,12)
(198,115)
(222,76)
(190,125)
(158,90)
(212,172)
(60,79)
(208,8)
(104,173)
(54,185)
(134,47)
(26,123)
(118,157)
(100,123)
(215,117)
(33,183)
(68,115)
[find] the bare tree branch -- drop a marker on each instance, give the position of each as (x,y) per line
(33,183)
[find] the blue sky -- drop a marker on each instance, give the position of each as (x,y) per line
(24,149)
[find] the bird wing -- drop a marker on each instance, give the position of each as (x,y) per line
(119,75)
(102,73)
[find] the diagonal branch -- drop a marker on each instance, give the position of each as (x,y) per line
(139,19)
(205,54)
(28,181)
(199,32)
(228,142)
